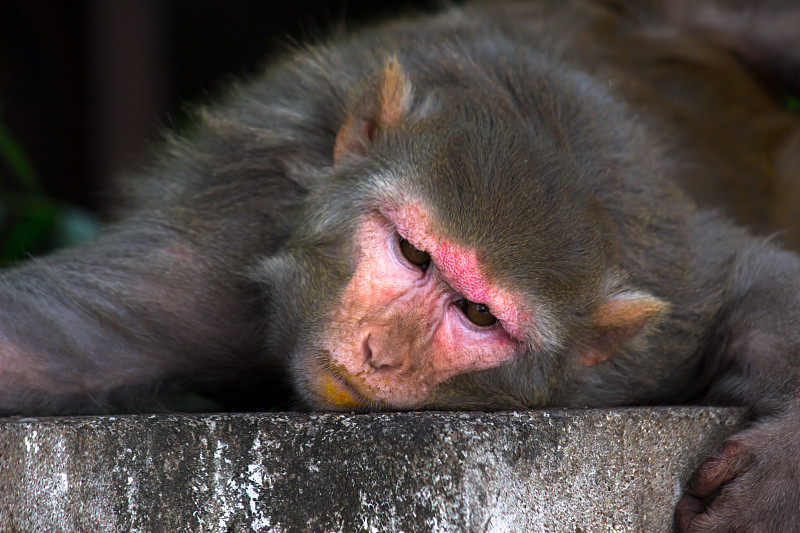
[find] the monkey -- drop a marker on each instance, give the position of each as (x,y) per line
(509,205)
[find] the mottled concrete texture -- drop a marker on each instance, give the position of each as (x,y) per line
(570,471)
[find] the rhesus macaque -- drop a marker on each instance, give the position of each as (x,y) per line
(503,206)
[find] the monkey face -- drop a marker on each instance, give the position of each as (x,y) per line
(411,316)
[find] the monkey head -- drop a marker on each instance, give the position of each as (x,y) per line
(457,258)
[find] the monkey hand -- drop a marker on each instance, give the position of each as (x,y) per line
(752,484)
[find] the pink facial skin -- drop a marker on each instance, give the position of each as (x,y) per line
(459,266)
(398,332)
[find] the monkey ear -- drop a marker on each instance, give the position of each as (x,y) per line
(617,320)
(383,104)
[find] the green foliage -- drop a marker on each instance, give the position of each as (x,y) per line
(792,102)
(30,222)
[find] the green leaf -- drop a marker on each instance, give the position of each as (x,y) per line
(18,162)
(26,234)
(792,102)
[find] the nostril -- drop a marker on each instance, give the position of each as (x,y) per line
(367,351)
(374,355)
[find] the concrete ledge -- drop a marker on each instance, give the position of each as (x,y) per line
(570,471)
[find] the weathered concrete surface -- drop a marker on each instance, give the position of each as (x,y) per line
(570,471)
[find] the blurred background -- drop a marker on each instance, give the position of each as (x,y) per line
(85,87)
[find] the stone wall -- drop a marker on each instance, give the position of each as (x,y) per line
(553,471)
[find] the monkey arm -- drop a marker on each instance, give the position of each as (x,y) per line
(757,355)
(137,306)
(756,362)
(164,292)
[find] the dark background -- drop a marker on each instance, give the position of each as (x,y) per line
(85,87)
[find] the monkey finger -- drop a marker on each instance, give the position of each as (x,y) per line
(722,515)
(688,509)
(723,466)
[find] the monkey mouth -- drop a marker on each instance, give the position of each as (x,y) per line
(339,392)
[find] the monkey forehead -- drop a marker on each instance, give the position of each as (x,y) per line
(460,267)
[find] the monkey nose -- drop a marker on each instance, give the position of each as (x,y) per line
(379,358)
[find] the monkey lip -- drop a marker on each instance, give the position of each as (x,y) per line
(340,392)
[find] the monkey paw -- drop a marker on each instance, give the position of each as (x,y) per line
(750,485)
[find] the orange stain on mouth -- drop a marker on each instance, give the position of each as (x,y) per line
(336,392)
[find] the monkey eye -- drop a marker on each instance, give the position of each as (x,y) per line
(478,314)
(414,256)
